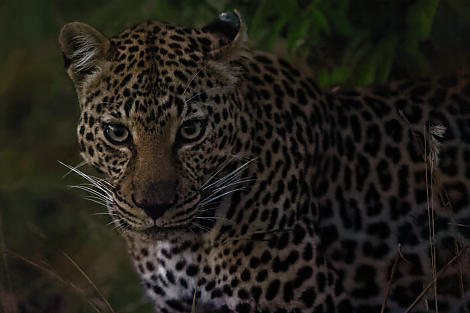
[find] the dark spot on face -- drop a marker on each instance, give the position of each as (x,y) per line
(245,275)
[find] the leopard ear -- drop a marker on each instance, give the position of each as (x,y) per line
(228,34)
(85,50)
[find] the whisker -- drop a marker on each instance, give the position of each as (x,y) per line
(215,218)
(187,226)
(87,177)
(105,201)
(100,192)
(201,227)
(218,171)
(100,187)
(90,190)
(101,180)
(230,175)
(104,213)
(229,184)
(115,221)
(95,201)
(187,85)
(211,199)
(201,92)
(76,167)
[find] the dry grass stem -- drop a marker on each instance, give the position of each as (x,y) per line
(6,305)
(389,284)
(430,161)
(57,277)
(431,283)
(193,305)
(110,308)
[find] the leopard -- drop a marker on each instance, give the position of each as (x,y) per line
(241,185)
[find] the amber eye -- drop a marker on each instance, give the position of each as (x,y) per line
(192,130)
(116,133)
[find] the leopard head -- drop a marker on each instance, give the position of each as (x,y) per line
(157,115)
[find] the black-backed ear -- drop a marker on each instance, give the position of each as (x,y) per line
(85,50)
(230,35)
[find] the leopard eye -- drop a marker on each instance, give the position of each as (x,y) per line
(116,133)
(192,130)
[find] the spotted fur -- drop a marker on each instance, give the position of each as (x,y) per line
(241,186)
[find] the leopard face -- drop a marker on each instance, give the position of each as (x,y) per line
(150,125)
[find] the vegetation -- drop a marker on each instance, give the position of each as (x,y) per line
(48,233)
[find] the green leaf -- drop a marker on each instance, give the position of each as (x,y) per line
(417,63)
(420,17)
(356,48)
(320,21)
(323,78)
(285,7)
(386,56)
(339,21)
(273,34)
(366,69)
(297,32)
(340,74)
(256,26)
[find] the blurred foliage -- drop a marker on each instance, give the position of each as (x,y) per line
(341,41)
(368,41)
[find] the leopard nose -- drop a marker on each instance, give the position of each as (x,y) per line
(153,210)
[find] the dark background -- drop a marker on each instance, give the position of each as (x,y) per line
(42,221)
